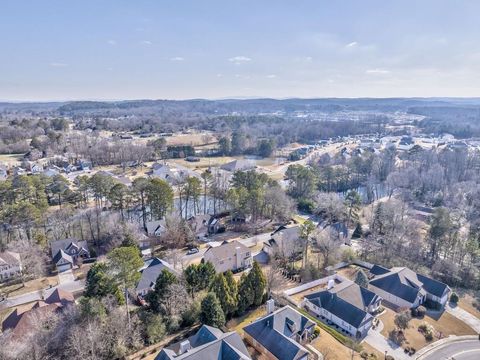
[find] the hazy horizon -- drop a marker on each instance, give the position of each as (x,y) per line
(114,50)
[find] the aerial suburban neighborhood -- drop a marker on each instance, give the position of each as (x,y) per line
(254,180)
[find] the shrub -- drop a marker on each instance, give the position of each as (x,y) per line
(389,357)
(316,331)
(454,298)
(421,311)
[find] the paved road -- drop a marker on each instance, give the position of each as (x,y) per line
(462,350)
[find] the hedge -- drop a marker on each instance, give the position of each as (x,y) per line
(340,337)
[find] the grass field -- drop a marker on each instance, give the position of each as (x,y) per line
(10,159)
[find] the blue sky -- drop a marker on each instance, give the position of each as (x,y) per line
(114,49)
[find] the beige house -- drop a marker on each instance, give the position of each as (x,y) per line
(10,265)
(229,256)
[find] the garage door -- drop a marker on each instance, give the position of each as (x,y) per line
(63,267)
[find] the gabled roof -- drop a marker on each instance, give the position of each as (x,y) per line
(150,271)
(62,255)
(407,284)
(66,244)
(9,258)
(60,296)
(355,294)
(238,165)
(209,343)
(275,331)
(227,249)
(344,310)
(378,270)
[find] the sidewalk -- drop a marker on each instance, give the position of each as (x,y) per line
(465,316)
(382,344)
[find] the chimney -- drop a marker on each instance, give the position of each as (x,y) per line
(330,284)
(270,306)
(184,347)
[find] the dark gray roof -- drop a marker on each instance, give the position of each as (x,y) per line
(339,307)
(406,284)
(355,294)
(432,286)
(209,343)
(275,331)
(378,270)
(150,271)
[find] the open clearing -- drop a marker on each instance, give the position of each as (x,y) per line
(10,159)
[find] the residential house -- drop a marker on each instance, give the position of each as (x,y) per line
(66,253)
(10,265)
(284,241)
(281,334)
(149,274)
(404,288)
(20,322)
(3,173)
(238,165)
(33,167)
(229,256)
(207,343)
(345,304)
(163,172)
(156,227)
(199,225)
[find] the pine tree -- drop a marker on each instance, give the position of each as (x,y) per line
(258,283)
(224,294)
(246,294)
(211,311)
(155,297)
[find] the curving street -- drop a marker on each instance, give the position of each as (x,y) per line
(461,350)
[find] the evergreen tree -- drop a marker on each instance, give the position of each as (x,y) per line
(155,297)
(211,312)
(361,279)
(199,277)
(258,283)
(100,284)
(221,289)
(246,294)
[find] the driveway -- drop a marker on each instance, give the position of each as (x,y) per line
(465,316)
(382,344)
(65,277)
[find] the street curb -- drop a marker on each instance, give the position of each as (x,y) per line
(441,343)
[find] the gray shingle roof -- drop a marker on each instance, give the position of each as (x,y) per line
(209,343)
(150,271)
(339,307)
(62,255)
(407,285)
(355,294)
(274,332)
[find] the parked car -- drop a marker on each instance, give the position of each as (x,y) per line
(192,251)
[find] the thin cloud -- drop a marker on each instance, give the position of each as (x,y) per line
(377,71)
(146,42)
(352,44)
(177,58)
(112,42)
(58,64)
(271,76)
(238,60)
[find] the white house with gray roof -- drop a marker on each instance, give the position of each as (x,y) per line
(281,334)
(66,253)
(346,305)
(10,265)
(284,241)
(207,343)
(405,288)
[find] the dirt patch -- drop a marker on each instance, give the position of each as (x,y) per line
(333,350)
(348,272)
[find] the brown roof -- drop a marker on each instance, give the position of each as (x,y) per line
(227,249)
(22,321)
